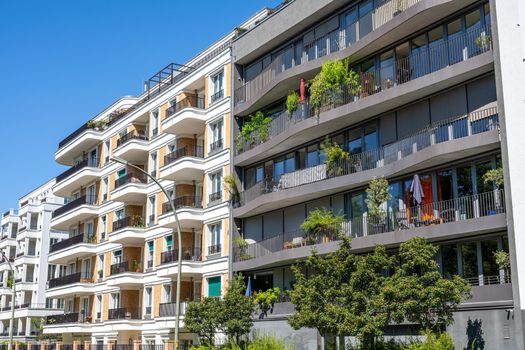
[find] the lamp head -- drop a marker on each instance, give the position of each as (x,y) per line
(119,160)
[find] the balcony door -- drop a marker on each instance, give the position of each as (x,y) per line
(115,300)
(86,268)
(93,158)
(91,194)
(84,308)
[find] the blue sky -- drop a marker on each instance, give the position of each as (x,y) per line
(61,62)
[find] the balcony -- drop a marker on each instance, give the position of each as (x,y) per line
(216,146)
(131,188)
(69,279)
(74,247)
(188,115)
(217,96)
(214,249)
(188,254)
(215,197)
(78,175)
(126,266)
(168,309)
(189,212)
(458,217)
(129,230)
(462,136)
(418,73)
(186,163)
(79,209)
(123,313)
(62,318)
(132,146)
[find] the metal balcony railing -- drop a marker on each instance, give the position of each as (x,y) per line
(88,162)
(126,266)
(214,249)
(424,62)
(436,213)
(68,279)
(136,221)
(190,101)
(217,96)
(131,178)
(483,280)
(168,309)
(123,313)
(182,202)
(66,243)
(132,135)
(62,318)
(216,146)
(186,151)
(442,131)
(188,254)
(86,199)
(332,42)
(215,197)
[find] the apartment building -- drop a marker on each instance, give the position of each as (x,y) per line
(25,238)
(120,259)
(433,105)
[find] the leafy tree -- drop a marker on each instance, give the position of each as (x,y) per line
(236,318)
(266,300)
(377,194)
(341,295)
(416,291)
(495,176)
(204,318)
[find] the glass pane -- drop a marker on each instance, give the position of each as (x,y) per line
(456,44)
(473,19)
(259,175)
(470,260)
(437,49)
(301,158)
(419,63)
(481,169)
(351,26)
(249,178)
(278,169)
(357,209)
(449,260)
(365,18)
(490,268)
(445,187)
(486,10)
(312,156)
(464,181)
(371,140)
(289,163)
(354,141)
(387,69)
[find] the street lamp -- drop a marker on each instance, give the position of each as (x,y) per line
(12,323)
(179,267)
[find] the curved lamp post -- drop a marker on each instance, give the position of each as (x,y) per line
(11,347)
(179,267)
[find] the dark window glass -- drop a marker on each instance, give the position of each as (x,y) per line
(481,169)
(470,260)
(449,260)
(488,248)
(445,188)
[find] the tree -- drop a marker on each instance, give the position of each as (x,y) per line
(236,318)
(204,318)
(417,292)
(341,295)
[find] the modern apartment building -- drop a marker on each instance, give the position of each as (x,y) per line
(435,103)
(120,259)
(25,238)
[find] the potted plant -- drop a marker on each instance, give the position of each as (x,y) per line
(502,259)
(322,223)
(266,300)
(257,125)
(292,103)
(377,195)
(243,246)
(239,31)
(91,124)
(495,176)
(137,221)
(230,183)
(483,42)
(335,158)
(135,266)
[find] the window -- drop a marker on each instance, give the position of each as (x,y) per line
(154,123)
(216,182)
(104,189)
(150,253)
(217,86)
(153,164)
(119,214)
(99,307)
(117,256)
(88,229)
(103,221)
(115,300)
(151,210)
(100,265)
(106,151)
(214,287)
(148,300)
(169,243)
(214,241)
(166,294)
(216,136)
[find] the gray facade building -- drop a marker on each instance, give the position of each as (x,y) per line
(437,97)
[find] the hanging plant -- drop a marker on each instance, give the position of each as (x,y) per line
(257,124)
(292,103)
(335,157)
(377,194)
(321,223)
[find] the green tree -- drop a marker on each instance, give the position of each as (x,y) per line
(416,292)
(237,311)
(342,294)
(204,318)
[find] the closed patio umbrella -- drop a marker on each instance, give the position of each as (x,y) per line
(249,287)
(417,190)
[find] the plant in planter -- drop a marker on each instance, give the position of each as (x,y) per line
(495,176)
(377,194)
(266,300)
(243,245)
(292,103)
(90,238)
(326,86)
(483,41)
(135,266)
(230,183)
(10,280)
(335,157)
(91,124)
(322,223)
(137,221)
(239,31)
(257,124)
(503,261)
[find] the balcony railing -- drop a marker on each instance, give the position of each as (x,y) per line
(190,101)
(332,42)
(123,313)
(186,151)
(62,318)
(136,221)
(188,254)
(66,243)
(125,266)
(132,135)
(131,178)
(168,309)
(69,279)
(214,249)
(217,96)
(483,280)
(216,146)
(182,202)
(442,131)
(436,213)
(215,197)
(406,69)
(87,199)
(88,162)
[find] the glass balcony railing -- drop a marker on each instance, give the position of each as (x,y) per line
(404,70)
(442,131)
(436,213)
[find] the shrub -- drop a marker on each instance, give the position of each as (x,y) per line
(377,194)
(495,176)
(442,341)
(321,223)
(266,300)
(292,102)
(267,342)
(334,157)
(257,123)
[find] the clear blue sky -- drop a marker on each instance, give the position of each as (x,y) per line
(61,62)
